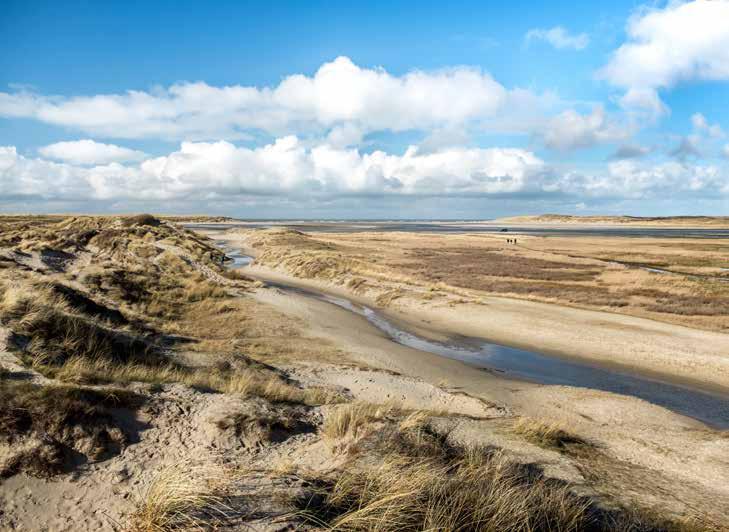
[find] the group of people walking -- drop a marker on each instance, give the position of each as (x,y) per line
(511,240)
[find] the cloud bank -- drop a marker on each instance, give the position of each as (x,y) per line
(220,170)
(310,134)
(570,130)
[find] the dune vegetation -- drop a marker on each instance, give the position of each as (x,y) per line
(683,281)
(401,474)
(656,221)
(147,390)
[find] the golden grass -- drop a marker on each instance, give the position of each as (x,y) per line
(199,289)
(161,292)
(239,324)
(64,341)
(410,478)
(545,434)
(349,421)
(487,494)
(588,272)
(181,496)
(246,382)
(415,420)
(54,331)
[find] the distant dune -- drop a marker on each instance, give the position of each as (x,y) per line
(54,218)
(682,221)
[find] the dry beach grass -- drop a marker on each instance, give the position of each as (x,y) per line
(405,476)
(148,388)
(641,221)
(594,273)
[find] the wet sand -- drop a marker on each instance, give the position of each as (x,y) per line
(586,230)
(518,364)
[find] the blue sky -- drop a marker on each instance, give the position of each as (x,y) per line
(378,110)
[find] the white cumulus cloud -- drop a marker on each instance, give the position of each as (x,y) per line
(288,169)
(285,167)
(559,38)
(340,93)
(38,178)
(87,151)
(631,179)
(701,141)
(571,130)
(702,125)
(682,41)
(643,104)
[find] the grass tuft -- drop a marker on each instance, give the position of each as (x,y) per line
(44,426)
(181,496)
(545,434)
(247,382)
(413,479)
(349,421)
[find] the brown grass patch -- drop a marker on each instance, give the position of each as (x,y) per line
(580,271)
(350,421)
(182,497)
(545,434)
(140,219)
(413,480)
(691,305)
(58,423)
(463,263)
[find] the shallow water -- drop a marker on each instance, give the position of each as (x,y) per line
(240,260)
(708,407)
(436,227)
